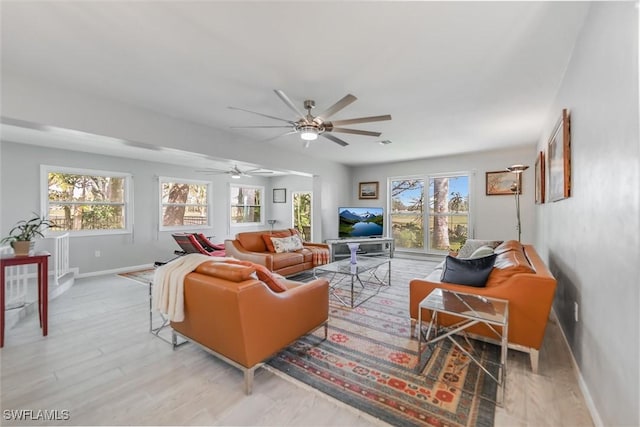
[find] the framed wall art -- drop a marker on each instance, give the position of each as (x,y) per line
(559,159)
(501,182)
(279,195)
(540,171)
(368,190)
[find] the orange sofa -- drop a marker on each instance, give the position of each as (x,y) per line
(240,320)
(252,246)
(520,276)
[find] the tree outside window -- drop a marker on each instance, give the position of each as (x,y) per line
(184,203)
(86,200)
(246,204)
(446,220)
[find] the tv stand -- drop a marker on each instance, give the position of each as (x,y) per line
(369,246)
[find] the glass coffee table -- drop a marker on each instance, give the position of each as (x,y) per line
(471,310)
(362,280)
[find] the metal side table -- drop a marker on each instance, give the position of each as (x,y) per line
(472,310)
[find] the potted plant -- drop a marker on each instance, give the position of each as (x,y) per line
(22,234)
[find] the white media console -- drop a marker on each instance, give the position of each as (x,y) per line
(369,246)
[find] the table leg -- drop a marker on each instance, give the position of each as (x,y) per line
(39,279)
(352,280)
(45,296)
(1,306)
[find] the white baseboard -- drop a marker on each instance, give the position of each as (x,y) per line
(595,415)
(115,271)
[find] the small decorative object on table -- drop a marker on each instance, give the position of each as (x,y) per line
(22,234)
(353,247)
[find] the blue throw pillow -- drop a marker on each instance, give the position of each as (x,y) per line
(471,272)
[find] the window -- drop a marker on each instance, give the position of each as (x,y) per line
(448,212)
(437,223)
(407,212)
(246,205)
(86,202)
(184,204)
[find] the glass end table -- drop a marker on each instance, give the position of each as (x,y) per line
(471,310)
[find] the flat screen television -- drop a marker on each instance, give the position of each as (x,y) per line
(360,222)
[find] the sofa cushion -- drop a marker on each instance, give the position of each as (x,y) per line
(511,260)
(226,271)
(471,272)
(472,244)
(482,251)
(509,245)
(286,259)
(266,238)
(251,242)
(287,244)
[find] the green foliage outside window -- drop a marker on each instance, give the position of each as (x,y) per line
(86,202)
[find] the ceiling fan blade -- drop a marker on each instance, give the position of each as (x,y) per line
(263,115)
(278,136)
(260,127)
(287,101)
(348,99)
(356,131)
(361,120)
(334,139)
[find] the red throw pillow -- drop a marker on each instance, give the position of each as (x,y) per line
(267,238)
(265,275)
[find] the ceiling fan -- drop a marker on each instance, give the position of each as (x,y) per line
(310,127)
(235,172)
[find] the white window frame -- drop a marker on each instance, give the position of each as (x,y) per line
(128,199)
(389,223)
(427,218)
(262,205)
(425,212)
(209,204)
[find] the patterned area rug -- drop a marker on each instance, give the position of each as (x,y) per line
(370,359)
(140,276)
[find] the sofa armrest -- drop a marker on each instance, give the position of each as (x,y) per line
(317,245)
(530,297)
(274,320)
(235,250)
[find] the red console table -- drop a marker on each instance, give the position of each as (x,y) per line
(42,259)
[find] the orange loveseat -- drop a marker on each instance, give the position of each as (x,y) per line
(241,320)
(253,246)
(520,276)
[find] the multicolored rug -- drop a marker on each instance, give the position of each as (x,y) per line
(140,276)
(370,357)
(369,362)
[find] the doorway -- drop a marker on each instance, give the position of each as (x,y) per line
(301,213)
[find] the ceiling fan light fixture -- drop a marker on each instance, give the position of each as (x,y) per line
(308,133)
(235,175)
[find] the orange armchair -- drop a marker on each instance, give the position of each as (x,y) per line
(240,320)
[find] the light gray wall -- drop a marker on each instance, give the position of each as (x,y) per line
(282,212)
(40,102)
(494,217)
(146,244)
(591,239)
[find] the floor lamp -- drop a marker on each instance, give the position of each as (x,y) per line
(517,169)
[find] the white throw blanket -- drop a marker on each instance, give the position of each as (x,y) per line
(168,284)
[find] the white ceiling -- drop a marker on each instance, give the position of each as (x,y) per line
(456,76)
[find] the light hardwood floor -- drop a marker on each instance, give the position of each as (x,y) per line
(100,363)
